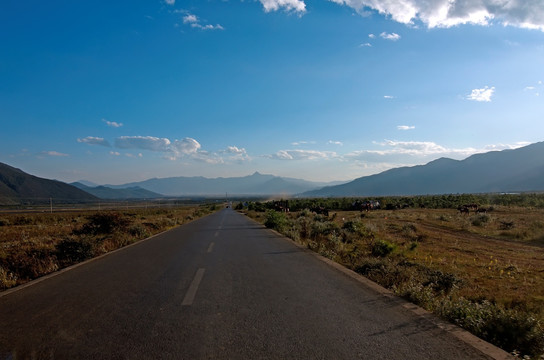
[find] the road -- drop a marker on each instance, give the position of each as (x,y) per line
(221,287)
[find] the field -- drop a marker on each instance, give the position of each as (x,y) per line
(483,271)
(36,244)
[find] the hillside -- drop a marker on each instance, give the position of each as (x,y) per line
(18,187)
(497,171)
(104,192)
(256,184)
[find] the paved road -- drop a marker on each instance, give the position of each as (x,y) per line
(221,287)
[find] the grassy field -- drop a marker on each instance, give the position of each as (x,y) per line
(482,271)
(36,244)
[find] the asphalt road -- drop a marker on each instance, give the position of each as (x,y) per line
(221,287)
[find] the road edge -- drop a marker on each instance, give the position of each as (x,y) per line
(72,267)
(486,348)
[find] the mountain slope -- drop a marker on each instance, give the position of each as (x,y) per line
(521,169)
(256,184)
(104,192)
(17,187)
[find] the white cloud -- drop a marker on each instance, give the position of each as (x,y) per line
(185,146)
(482,95)
(53,153)
(301,155)
(392,36)
(372,36)
(448,13)
(112,123)
(365,45)
(143,142)
(332,142)
(418,152)
(91,140)
(298,143)
(190,19)
(193,21)
(115,153)
(297,6)
(170,2)
(388,97)
(405,127)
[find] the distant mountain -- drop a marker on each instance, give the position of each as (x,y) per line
(86,183)
(256,184)
(516,170)
(18,187)
(104,192)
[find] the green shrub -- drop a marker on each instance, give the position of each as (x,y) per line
(479,220)
(275,220)
(381,248)
(510,329)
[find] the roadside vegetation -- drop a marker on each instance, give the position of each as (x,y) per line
(36,244)
(482,270)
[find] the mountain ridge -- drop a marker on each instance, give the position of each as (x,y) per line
(512,170)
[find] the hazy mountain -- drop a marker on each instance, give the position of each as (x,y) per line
(18,187)
(256,184)
(497,171)
(104,192)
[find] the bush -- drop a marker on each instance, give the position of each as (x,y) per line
(509,329)
(104,223)
(275,220)
(480,220)
(71,251)
(381,248)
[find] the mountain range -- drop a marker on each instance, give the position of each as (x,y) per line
(515,170)
(518,170)
(18,187)
(253,185)
(104,192)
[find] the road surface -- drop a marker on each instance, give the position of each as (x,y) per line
(221,287)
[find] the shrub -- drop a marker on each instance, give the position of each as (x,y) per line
(104,223)
(275,220)
(480,220)
(509,329)
(71,251)
(381,248)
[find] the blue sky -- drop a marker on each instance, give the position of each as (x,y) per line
(121,91)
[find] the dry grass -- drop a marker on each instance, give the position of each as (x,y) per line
(36,244)
(451,263)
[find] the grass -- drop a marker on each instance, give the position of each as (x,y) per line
(484,272)
(36,244)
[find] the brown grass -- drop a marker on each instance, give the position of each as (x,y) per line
(36,244)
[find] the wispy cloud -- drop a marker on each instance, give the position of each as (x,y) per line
(482,95)
(332,142)
(173,149)
(535,89)
(365,45)
(418,152)
(170,2)
(296,6)
(298,143)
(53,153)
(448,13)
(388,97)
(115,153)
(301,155)
(194,22)
(91,140)
(392,36)
(405,127)
(112,123)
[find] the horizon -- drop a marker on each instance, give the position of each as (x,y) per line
(325,90)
